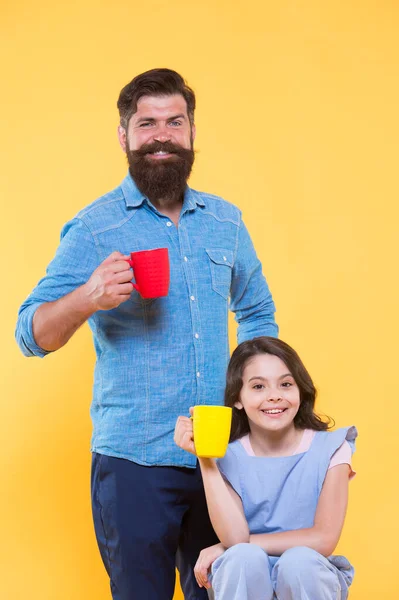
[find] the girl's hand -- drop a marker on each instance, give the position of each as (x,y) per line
(205,560)
(184,435)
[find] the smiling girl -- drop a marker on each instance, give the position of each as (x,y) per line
(277,499)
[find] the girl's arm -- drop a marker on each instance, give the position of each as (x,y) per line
(224,504)
(329,520)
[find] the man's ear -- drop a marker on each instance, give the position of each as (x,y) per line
(122,137)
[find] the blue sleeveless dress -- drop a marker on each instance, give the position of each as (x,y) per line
(281,493)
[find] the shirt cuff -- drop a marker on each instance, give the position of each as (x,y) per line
(24,333)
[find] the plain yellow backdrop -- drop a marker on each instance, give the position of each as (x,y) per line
(298,125)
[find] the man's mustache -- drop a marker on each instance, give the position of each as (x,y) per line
(168,147)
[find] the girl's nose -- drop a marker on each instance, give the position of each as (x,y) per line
(274,396)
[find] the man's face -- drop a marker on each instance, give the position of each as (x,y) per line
(162,119)
(159,146)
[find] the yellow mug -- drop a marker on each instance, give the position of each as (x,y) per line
(211,425)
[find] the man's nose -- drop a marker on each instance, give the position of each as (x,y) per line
(162,134)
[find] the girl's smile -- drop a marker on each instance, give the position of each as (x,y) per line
(273,413)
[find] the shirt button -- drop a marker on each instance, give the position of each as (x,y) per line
(224,258)
(196,335)
(185,259)
(198,373)
(192,298)
(168,224)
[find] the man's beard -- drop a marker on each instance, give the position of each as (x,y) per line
(165,178)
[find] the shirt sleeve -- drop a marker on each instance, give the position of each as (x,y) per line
(343,456)
(228,467)
(251,300)
(75,260)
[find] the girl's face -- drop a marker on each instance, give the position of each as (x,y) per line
(269,395)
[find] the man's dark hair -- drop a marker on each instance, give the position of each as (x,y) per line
(157,82)
(305,418)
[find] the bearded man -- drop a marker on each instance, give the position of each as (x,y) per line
(155,357)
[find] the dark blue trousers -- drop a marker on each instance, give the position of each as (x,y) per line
(148,520)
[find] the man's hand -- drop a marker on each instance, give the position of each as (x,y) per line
(110,284)
(205,560)
(184,435)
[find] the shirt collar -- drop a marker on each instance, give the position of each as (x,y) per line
(192,199)
(134,198)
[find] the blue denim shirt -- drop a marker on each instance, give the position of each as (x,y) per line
(155,358)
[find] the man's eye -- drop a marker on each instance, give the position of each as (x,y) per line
(145,124)
(175,123)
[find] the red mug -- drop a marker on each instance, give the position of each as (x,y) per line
(151,272)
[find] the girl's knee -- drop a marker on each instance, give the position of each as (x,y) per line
(246,553)
(242,572)
(299,561)
(301,555)
(243,556)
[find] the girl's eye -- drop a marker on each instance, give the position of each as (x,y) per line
(286,384)
(257,386)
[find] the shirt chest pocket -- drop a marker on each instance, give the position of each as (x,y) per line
(221,265)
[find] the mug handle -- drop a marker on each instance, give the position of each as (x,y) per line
(136,287)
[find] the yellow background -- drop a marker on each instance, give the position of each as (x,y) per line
(298,125)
